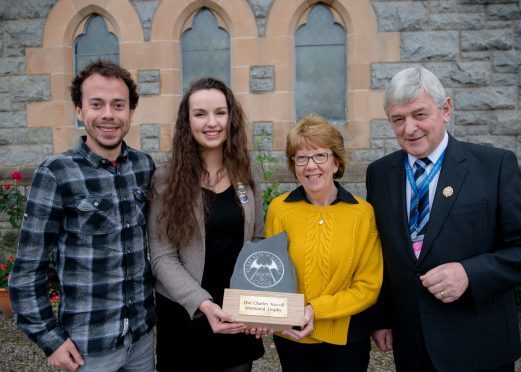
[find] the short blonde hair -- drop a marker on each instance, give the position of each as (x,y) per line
(314,131)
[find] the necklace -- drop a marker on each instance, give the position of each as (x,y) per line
(218,177)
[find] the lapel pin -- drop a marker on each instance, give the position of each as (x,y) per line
(448,191)
(241,191)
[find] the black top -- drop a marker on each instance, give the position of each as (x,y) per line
(224,240)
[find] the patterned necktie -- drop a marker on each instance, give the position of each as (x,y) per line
(419,212)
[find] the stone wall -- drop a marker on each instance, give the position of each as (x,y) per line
(474,46)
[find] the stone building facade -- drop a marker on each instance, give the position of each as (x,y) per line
(474,46)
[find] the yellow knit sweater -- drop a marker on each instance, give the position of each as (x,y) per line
(338,259)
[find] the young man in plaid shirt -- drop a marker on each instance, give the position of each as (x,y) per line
(87,208)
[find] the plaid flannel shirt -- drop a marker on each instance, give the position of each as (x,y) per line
(89,216)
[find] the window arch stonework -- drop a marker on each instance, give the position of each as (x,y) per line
(56,55)
(365,45)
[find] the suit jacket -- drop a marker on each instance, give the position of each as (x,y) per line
(178,271)
(479,225)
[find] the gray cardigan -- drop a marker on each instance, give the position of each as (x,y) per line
(178,271)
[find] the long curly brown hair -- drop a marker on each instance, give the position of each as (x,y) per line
(187,166)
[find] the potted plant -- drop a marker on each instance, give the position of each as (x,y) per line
(5,271)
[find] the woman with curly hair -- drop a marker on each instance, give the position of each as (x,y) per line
(204,206)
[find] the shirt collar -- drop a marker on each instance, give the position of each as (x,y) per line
(93,158)
(342,196)
(435,155)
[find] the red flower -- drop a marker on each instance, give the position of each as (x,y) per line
(3,266)
(6,187)
(7,277)
(16,175)
(10,258)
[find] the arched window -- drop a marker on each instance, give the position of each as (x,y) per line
(96,42)
(205,50)
(320,66)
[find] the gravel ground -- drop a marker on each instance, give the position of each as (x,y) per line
(19,354)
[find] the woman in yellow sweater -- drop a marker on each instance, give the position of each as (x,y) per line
(334,245)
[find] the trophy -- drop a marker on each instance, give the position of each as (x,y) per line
(263,286)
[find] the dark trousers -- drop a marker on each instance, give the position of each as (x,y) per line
(425,364)
(295,356)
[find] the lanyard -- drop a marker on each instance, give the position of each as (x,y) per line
(414,190)
(428,178)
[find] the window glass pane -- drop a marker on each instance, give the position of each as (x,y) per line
(95,43)
(320,57)
(205,50)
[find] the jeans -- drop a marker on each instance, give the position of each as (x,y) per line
(137,357)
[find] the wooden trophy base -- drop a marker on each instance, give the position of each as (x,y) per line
(272,310)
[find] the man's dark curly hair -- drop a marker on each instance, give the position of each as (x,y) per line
(106,69)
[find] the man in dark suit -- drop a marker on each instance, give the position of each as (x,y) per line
(451,238)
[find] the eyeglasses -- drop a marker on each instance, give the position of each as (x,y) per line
(319,158)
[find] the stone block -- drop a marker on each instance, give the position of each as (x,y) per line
(381,129)
(506,122)
(488,98)
(502,142)
(31,88)
(501,39)
(20,35)
(149,144)
(5,102)
(477,130)
(21,155)
(262,128)
(459,132)
(431,45)
(148,76)
(443,6)
(503,12)
(12,66)
(30,9)
(475,56)
(146,10)
(4,84)
(506,61)
(149,89)
(457,21)
(494,25)
(362,155)
(390,146)
(24,136)
(471,7)
(262,79)
(149,130)
(504,79)
(397,16)
(382,73)
(461,74)
(13,119)
(260,9)
(486,2)
(472,118)
(517,34)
